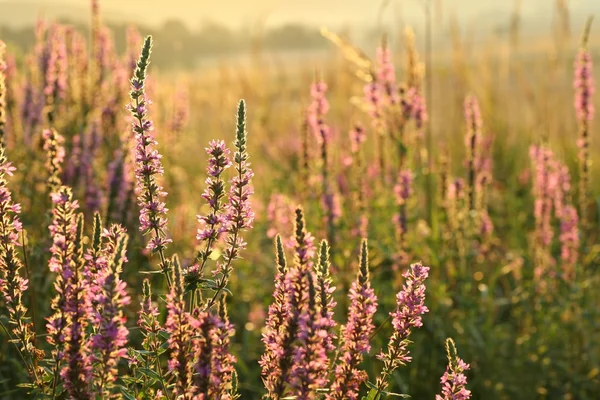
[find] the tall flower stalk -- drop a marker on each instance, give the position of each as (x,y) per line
(55,156)
(3,108)
(279,366)
(12,284)
(239,214)
(454,381)
(472,143)
(583,84)
(276,332)
(356,334)
(109,341)
(63,231)
(148,166)
(179,327)
(410,303)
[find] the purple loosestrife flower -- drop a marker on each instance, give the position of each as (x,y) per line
(569,241)
(119,186)
(357,138)
(324,296)
(215,365)
(419,110)
(355,334)
(93,193)
(276,331)
(3,108)
(55,155)
(473,143)
(542,160)
(372,93)
(583,84)
(278,365)
(454,381)
(386,74)
(12,284)
(148,320)
(181,109)
(403,191)
(410,303)
(153,213)
(239,214)
(109,341)
(584,107)
(72,171)
(317,112)
(201,326)
(179,327)
(63,230)
(54,66)
(76,373)
(104,55)
(215,223)
(308,355)
(309,359)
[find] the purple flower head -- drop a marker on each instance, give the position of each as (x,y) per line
(410,303)
(583,84)
(181,109)
(356,334)
(239,215)
(148,166)
(317,111)
(358,136)
(386,74)
(55,155)
(454,381)
(276,336)
(109,342)
(3,109)
(569,240)
(12,284)
(324,297)
(403,187)
(178,324)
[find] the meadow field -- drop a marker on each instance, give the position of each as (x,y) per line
(348,223)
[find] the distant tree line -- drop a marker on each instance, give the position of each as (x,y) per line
(179,47)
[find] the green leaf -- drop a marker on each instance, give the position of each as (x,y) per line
(127,394)
(164,334)
(151,373)
(373,395)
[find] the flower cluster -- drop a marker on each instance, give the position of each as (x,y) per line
(148,166)
(583,83)
(410,303)
(356,334)
(55,155)
(110,298)
(238,211)
(552,193)
(454,381)
(3,68)
(12,284)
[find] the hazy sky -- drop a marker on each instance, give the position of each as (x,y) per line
(318,12)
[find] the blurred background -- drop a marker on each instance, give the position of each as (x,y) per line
(198,33)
